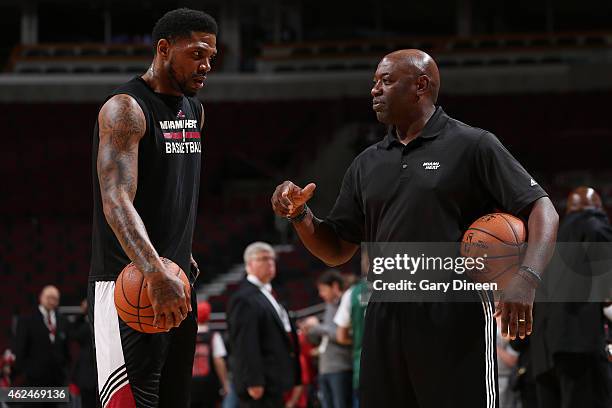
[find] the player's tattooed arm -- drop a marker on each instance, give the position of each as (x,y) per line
(121,125)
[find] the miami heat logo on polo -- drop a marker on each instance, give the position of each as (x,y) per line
(182,136)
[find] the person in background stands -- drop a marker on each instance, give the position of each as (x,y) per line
(84,374)
(350,319)
(6,368)
(335,359)
(41,344)
(263,340)
(210,380)
(568,346)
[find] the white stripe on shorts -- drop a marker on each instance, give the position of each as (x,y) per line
(109,353)
(490,384)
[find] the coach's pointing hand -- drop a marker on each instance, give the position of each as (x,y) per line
(288,199)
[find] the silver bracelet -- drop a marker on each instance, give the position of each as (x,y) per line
(533,274)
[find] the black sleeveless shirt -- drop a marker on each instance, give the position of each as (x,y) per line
(169,160)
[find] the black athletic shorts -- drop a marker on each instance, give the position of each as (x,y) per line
(137,369)
(429,355)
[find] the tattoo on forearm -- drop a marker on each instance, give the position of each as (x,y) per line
(163,294)
(121,125)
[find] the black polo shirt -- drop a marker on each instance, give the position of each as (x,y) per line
(431,189)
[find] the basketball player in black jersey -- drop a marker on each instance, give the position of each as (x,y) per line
(146,165)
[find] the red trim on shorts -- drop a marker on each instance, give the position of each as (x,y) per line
(122,398)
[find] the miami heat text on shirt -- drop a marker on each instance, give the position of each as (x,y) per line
(183,137)
(178,124)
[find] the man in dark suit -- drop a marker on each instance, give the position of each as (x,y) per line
(41,347)
(84,373)
(569,341)
(263,341)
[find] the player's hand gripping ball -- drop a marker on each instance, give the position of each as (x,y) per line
(132,301)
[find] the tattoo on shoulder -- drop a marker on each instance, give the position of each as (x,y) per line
(122,121)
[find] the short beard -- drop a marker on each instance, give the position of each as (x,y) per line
(179,84)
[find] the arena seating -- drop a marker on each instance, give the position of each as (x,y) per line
(80,58)
(329,56)
(484,50)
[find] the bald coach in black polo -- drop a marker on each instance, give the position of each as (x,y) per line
(426,181)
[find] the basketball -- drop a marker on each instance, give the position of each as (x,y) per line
(499,239)
(131,298)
